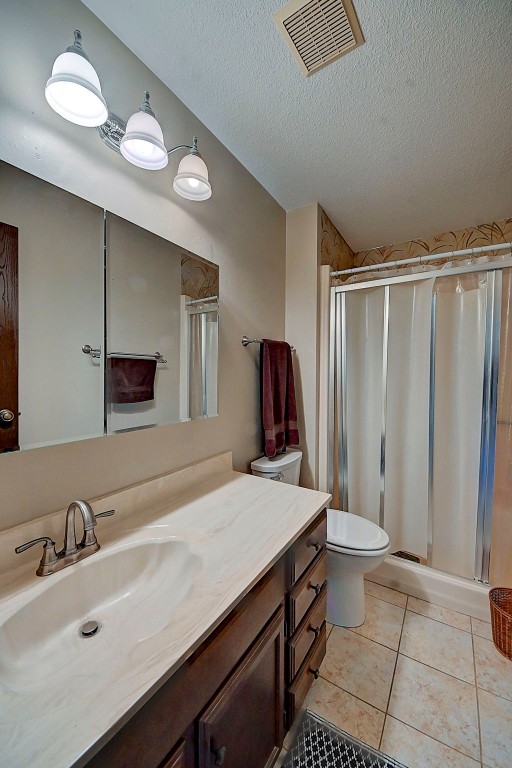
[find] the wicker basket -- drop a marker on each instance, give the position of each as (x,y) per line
(501,618)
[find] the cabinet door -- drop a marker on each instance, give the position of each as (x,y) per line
(177,757)
(243,726)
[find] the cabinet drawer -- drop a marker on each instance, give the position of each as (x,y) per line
(307,547)
(298,691)
(304,592)
(306,634)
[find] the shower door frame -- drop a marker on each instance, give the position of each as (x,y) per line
(338,378)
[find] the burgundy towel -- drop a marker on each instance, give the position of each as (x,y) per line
(132,379)
(278,407)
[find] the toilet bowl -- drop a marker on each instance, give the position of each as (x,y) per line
(355,546)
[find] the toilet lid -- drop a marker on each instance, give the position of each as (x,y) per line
(354,532)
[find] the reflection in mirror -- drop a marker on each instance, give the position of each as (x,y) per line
(60,307)
(52,265)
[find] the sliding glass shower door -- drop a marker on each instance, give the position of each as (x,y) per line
(415,371)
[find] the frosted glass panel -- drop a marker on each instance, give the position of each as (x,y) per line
(364,326)
(501,538)
(459,368)
(407,436)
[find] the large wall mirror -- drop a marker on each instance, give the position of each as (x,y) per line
(104,326)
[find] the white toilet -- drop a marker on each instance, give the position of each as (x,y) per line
(355,546)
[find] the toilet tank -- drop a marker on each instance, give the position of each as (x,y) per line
(285,467)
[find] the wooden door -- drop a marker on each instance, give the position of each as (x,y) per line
(243,726)
(8,338)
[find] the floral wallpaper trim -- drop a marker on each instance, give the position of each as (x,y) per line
(470,237)
(334,249)
(199,278)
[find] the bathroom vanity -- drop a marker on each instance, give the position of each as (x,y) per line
(219,677)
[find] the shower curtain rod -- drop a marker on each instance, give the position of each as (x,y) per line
(423,259)
(201,301)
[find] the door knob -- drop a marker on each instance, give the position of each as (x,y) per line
(6,416)
(220,755)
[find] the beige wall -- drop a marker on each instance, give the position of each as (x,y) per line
(241,228)
(302,311)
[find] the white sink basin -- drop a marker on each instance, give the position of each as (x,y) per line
(130,590)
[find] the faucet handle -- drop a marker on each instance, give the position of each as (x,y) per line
(108,513)
(49,555)
(48,544)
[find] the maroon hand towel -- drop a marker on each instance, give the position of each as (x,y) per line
(132,379)
(278,407)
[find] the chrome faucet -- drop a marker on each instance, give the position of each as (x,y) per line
(89,539)
(72,552)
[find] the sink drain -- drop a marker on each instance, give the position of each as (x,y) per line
(89,629)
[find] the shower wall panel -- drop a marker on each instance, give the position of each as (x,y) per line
(364,337)
(407,436)
(459,369)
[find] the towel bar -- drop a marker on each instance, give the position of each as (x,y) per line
(96,352)
(246,341)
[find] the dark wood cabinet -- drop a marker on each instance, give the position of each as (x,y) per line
(229,702)
(243,725)
(177,758)
(306,607)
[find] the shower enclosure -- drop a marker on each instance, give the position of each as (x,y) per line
(421,414)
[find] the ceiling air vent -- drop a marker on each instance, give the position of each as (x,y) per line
(319,31)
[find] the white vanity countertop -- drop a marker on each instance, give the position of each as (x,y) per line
(237,525)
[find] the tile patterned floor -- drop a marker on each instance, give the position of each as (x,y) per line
(422,683)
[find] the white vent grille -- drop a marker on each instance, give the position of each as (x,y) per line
(319,31)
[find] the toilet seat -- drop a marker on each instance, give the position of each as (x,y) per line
(354,535)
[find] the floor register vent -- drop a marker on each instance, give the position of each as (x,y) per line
(319,31)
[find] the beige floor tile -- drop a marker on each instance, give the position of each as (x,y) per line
(496,729)
(481,628)
(359,666)
(493,670)
(445,615)
(436,704)
(383,622)
(438,645)
(346,712)
(385,593)
(417,750)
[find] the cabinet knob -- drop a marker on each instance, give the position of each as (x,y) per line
(314,630)
(314,544)
(315,673)
(6,416)
(219,755)
(316,587)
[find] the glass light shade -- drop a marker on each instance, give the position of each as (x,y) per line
(74,91)
(143,142)
(192,179)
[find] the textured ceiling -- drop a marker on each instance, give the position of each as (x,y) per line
(404,137)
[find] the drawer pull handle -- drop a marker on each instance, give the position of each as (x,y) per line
(316,587)
(314,630)
(314,544)
(315,673)
(220,755)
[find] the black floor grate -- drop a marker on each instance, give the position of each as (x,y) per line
(318,744)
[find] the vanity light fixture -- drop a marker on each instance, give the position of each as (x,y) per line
(74,89)
(74,92)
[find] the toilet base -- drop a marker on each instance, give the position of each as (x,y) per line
(345,598)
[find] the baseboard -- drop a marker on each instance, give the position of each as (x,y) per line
(437,587)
